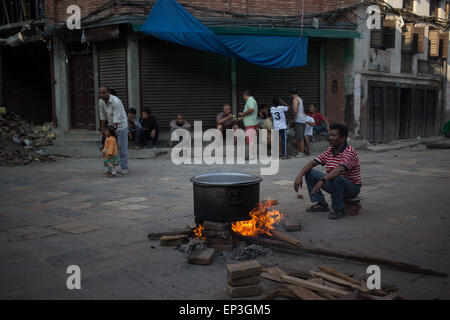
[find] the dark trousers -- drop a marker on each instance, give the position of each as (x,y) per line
(283,137)
(340,188)
(145,136)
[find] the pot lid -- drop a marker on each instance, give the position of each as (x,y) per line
(225,179)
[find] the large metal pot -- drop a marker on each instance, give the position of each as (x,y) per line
(225,197)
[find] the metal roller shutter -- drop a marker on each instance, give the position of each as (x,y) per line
(112,68)
(176,79)
(267,83)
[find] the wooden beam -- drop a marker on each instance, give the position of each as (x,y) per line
(313,286)
(397,265)
(339,281)
(342,276)
(285,237)
(303,293)
(158,235)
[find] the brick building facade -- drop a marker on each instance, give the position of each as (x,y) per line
(150,73)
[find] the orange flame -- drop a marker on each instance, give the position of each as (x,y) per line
(198,232)
(263,218)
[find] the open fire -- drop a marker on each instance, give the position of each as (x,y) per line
(263,219)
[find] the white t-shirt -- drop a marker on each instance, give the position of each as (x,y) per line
(114,112)
(300,117)
(309,128)
(279,119)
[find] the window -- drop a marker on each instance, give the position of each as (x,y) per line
(383,38)
(406,63)
(418,39)
(434,5)
(407,38)
(433,39)
(408,5)
(443,44)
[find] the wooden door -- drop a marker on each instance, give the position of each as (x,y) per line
(82,91)
(418,113)
(430,113)
(405,112)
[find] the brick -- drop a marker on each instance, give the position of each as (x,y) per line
(244,281)
(290,225)
(244,291)
(244,269)
(216,226)
(204,256)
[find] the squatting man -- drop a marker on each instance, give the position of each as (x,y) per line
(342,178)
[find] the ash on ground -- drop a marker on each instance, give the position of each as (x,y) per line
(249,253)
(192,245)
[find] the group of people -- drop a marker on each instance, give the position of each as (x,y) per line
(307,122)
(342,176)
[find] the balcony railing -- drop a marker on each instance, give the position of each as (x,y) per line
(16,11)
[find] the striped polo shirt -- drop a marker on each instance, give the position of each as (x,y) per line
(347,157)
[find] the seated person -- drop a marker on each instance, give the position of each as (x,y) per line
(134,127)
(321,125)
(262,115)
(224,120)
(150,129)
(178,123)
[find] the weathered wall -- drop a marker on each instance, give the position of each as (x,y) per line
(335,72)
(57,8)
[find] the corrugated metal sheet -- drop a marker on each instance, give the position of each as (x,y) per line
(176,79)
(112,68)
(267,83)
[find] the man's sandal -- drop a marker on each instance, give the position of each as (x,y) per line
(336,215)
(319,207)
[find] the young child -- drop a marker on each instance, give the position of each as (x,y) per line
(279,123)
(110,152)
(310,123)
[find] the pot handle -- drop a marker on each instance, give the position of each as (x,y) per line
(235,197)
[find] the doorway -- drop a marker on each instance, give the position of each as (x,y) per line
(82,91)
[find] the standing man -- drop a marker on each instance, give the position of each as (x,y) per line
(113,113)
(342,178)
(298,116)
(250,118)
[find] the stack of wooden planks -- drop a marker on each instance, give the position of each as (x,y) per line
(324,284)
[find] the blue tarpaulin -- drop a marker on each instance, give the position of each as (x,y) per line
(171,22)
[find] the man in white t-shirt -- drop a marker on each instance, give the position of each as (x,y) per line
(298,119)
(279,123)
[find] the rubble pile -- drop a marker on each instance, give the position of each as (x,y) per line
(21,143)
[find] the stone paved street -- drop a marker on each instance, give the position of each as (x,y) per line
(58,214)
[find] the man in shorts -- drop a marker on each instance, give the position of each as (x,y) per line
(299,119)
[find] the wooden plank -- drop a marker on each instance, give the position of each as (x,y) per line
(313,286)
(336,274)
(339,281)
(302,293)
(285,237)
(279,293)
(158,235)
